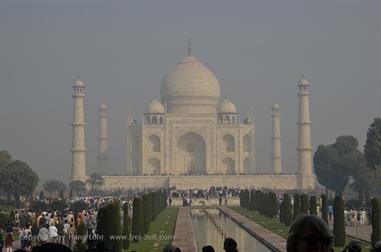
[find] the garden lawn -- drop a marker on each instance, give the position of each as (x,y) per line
(164,226)
(276,227)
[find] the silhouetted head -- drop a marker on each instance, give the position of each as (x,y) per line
(230,245)
(171,248)
(377,247)
(309,233)
(354,246)
(50,247)
(208,248)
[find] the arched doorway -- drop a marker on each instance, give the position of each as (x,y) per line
(247,166)
(154,166)
(229,166)
(190,154)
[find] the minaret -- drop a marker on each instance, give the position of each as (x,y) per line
(276,151)
(103,141)
(78,145)
(304,136)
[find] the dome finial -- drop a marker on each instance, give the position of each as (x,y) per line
(189,46)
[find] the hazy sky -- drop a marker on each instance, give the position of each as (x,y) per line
(123,49)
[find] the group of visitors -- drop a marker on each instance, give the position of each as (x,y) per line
(354,216)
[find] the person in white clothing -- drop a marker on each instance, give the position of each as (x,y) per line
(53,233)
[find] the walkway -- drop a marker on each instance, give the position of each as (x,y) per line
(184,236)
(362,232)
(268,238)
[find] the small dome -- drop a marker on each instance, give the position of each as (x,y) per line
(276,105)
(103,106)
(155,106)
(79,83)
(227,107)
(304,82)
(190,78)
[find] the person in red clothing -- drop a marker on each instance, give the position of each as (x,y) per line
(9,242)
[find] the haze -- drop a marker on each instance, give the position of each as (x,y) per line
(123,49)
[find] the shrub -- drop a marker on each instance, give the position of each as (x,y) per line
(287,216)
(375,218)
(324,208)
(296,206)
(304,204)
(313,206)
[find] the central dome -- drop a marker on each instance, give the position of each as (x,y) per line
(189,83)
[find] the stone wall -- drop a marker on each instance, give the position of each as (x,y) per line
(276,182)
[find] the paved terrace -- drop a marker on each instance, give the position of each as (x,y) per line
(268,238)
(184,236)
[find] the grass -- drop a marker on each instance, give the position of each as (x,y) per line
(160,233)
(276,227)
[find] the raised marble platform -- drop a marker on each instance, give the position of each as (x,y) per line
(275,182)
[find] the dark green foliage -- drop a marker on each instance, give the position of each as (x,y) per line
(252,200)
(324,208)
(372,148)
(5,221)
(146,217)
(336,162)
(304,204)
(109,224)
(58,205)
(375,218)
(339,222)
(281,212)
(42,195)
(273,205)
(53,187)
(80,244)
(39,206)
(287,208)
(296,211)
(137,219)
(125,231)
(313,205)
(79,206)
(62,196)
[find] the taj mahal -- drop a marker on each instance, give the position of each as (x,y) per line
(191,138)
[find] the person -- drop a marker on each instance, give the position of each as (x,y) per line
(43,234)
(1,240)
(220,199)
(230,245)
(9,242)
(353,246)
(171,248)
(309,233)
(377,247)
(207,248)
(330,212)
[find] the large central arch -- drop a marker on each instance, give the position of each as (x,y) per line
(191,154)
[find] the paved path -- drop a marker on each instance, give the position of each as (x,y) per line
(184,236)
(362,232)
(268,238)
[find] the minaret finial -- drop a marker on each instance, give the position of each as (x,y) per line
(189,46)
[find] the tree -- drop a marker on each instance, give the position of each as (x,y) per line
(17,179)
(287,208)
(137,219)
(95,181)
(338,222)
(324,208)
(125,231)
(334,163)
(42,195)
(296,211)
(375,218)
(77,186)
(80,245)
(313,205)
(372,148)
(304,204)
(54,186)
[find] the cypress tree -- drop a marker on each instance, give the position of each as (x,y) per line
(281,212)
(287,209)
(338,223)
(252,200)
(304,204)
(258,201)
(313,206)
(146,218)
(137,219)
(125,232)
(375,221)
(80,245)
(116,228)
(324,208)
(296,206)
